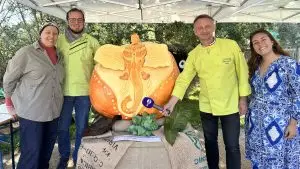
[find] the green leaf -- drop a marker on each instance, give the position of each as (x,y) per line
(148,133)
(143,125)
(170,133)
(131,128)
(176,122)
(140,130)
(137,120)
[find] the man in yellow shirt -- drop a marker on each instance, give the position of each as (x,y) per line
(78,49)
(223,74)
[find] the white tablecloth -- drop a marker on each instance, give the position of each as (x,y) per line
(4,116)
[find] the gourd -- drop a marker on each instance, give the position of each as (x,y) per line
(124,75)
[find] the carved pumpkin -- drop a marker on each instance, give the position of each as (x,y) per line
(124,75)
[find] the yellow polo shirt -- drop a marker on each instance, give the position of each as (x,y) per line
(223,75)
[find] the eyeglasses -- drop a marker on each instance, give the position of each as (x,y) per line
(79,20)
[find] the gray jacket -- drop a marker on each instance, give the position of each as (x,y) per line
(34,84)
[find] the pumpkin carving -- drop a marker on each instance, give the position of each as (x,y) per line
(124,75)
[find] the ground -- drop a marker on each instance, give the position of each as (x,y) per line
(55,155)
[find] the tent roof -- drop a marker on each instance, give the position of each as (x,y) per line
(165,11)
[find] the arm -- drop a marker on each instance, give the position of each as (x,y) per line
(243,105)
(13,74)
(168,108)
(181,84)
(294,80)
(291,130)
(185,77)
(242,75)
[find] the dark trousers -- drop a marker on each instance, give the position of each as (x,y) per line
(37,140)
(231,132)
(82,106)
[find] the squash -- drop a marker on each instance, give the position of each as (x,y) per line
(124,75)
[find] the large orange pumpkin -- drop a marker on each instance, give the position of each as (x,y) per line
(124,75)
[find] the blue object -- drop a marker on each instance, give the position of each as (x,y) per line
(148,102)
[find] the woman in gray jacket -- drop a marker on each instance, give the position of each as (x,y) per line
(33,92)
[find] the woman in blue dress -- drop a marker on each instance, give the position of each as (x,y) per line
(272,122)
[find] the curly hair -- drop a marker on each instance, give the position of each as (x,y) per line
(255,59)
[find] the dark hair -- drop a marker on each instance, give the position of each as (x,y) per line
(75,10)
(255,59)
(203,16)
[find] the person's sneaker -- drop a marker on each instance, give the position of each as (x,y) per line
(71,163)
(63,164)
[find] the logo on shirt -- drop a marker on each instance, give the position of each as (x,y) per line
(227,60)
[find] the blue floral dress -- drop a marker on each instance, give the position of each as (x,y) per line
(274,101)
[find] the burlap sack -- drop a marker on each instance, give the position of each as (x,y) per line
(187,152)
(100,152)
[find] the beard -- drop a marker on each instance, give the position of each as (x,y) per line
(75,31)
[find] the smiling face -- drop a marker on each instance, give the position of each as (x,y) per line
(204,29)
(49,36)
(262,44)
(76,21)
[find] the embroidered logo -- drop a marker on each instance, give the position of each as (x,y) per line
(227,60)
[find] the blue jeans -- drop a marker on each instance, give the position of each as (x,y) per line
(82,106)
(231,132)
(37,140)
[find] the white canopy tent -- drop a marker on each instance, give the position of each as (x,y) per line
(165,11)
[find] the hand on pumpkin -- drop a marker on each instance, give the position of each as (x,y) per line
(168,108)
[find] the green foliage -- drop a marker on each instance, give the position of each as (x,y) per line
(16,33)
(193,90)
(184,112)
(175,123)
(239,32)
(5,147)
(1,93)
(143,125)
